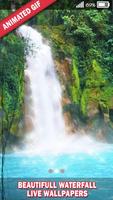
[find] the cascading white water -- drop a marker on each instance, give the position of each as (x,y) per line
(46,92)
(48,134)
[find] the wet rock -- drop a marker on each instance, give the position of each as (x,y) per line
(63,68)
(65,101)
(101,136)
(70,127)
(27,79)
(28,124)
(92,109)
(106,118)
(28,110)
(28,91)
(69,123)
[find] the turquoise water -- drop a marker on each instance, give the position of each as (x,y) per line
(96,166)
(81,165)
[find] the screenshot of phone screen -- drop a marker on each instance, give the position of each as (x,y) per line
(56,100)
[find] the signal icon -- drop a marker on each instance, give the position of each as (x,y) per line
(80,5)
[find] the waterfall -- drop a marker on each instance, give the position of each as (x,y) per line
(48,134)
(47,116)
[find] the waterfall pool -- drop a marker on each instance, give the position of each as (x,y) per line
(96,167)
(78,165)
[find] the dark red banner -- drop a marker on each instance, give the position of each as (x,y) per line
(22,15)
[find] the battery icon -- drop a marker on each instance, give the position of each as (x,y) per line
(103,4)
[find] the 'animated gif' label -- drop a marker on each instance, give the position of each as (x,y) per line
(22,15)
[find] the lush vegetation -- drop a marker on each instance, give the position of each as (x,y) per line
(8,4)
(85,39)
(11,82)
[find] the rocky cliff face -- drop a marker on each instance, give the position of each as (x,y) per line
(88,109)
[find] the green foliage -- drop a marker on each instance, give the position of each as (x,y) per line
(85,37)
(106,97)
(84,101)
(75,86)
(6,4)
(3,14)
(11,80)
(97,89)
(94,77)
